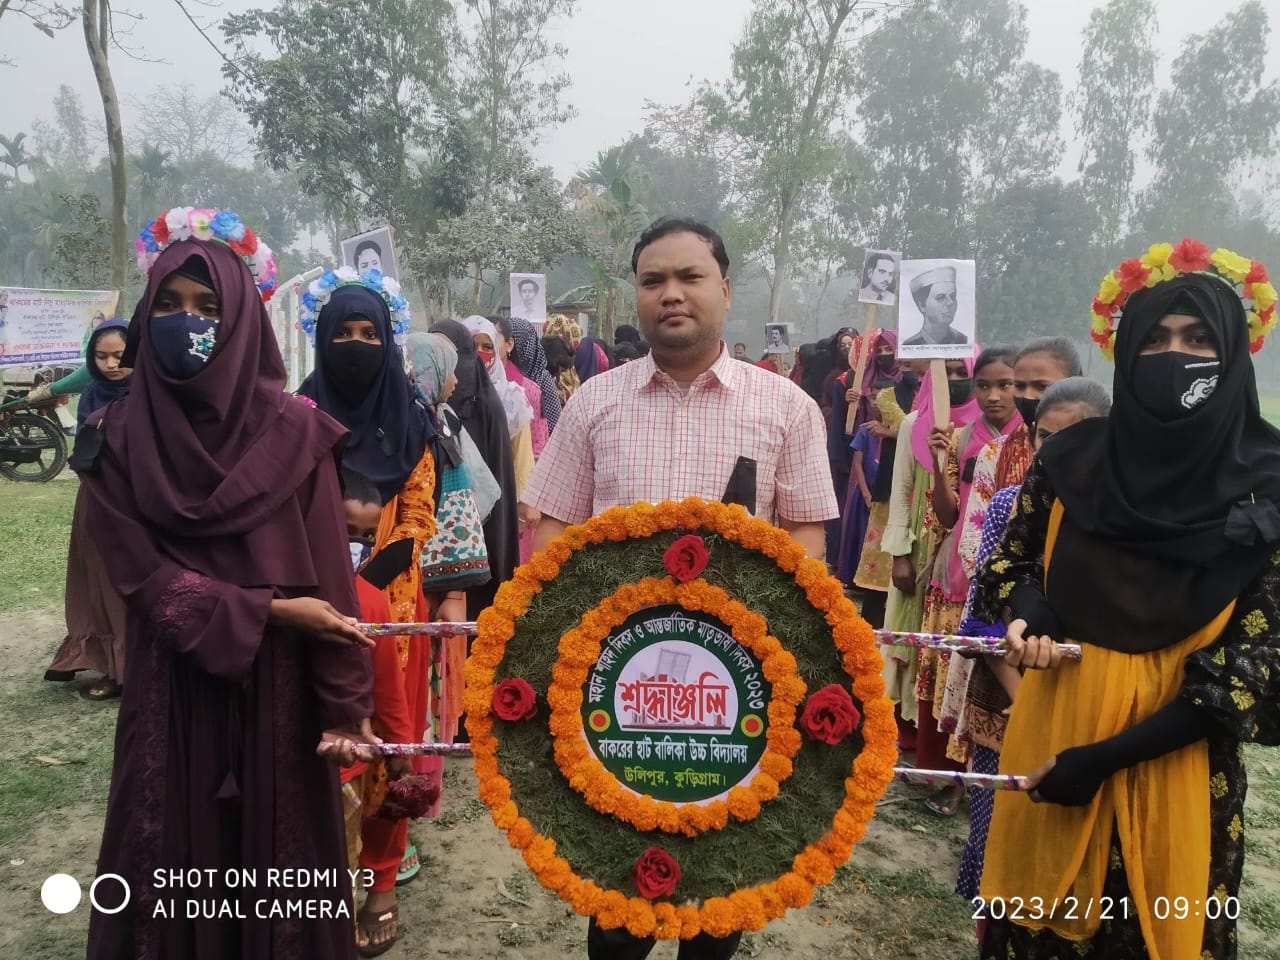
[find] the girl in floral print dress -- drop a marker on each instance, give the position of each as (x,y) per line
(1152,538)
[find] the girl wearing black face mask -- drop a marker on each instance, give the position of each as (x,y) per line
(360,381)
(1152,538)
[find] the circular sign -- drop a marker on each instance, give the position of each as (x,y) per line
(675,707)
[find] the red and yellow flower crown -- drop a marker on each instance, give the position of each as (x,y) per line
(1164,261)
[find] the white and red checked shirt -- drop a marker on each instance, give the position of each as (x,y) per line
(632,434)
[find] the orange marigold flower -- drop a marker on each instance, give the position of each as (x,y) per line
(719,918)
(743,804)
(779,665)
(838,850)
(764,786)
(750,909)
(794,890)
(814,865)
(612,911)
(521,834)
(775,765)
(771,900)
(667,921)
(506,815)
(640,919)
(690,922)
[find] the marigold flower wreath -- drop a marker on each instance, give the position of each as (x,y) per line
(1164,261)
(727,862)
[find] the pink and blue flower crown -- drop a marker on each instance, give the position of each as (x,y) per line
(198,223)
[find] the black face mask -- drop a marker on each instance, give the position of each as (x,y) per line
(354,366)
(1027,409)
(961,391)
(885,362)
(910,380)
(1172,384)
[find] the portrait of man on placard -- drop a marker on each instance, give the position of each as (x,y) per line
(776,338)
(879,277)
(371,251)
(937,321)
(529,296)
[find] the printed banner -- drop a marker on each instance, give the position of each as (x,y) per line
(676,707)
(48,326)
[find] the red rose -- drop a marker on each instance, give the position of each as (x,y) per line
(1257,273)
(1132,275)
(655,874)
(514,700)
(1100,308)
(686,558)
(1189,256)
(829,714)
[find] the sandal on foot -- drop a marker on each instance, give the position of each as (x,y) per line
(409,866)
(944,805)
(368,926)
(102,690)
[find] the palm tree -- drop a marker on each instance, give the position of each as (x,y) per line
(15,154)
(607,196)
(153,170)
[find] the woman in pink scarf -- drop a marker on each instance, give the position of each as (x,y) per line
(539,431)
(988,414)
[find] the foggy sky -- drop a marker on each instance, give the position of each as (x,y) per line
(621,53)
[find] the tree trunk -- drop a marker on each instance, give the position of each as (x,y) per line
(97,37)
(781,258)
(791,191)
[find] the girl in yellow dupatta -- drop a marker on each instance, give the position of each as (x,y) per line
(1152,538)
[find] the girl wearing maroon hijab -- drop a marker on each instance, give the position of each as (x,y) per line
(216,504)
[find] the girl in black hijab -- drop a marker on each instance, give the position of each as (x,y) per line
(477,405)
(1152,538)
(360,381)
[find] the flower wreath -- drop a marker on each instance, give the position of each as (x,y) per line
(728,864)
(322,287)
(1164,261)
(199,223)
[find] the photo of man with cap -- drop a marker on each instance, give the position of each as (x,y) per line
(935,293)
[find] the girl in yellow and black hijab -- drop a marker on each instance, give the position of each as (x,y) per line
(1152,538)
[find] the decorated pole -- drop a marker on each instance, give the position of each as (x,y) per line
(942,778)
(444,628)
(928,778)
(994,646)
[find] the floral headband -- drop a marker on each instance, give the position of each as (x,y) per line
(1164,261)
(322,287)
(198,223)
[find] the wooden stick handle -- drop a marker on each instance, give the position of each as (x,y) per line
(941,400)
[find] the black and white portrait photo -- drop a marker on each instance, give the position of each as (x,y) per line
(879,277)
(937,320)
(371,251)
(777,339)
(529,296)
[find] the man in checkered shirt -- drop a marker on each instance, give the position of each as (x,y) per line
(675,424)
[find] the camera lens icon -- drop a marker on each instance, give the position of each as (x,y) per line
(61,893)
